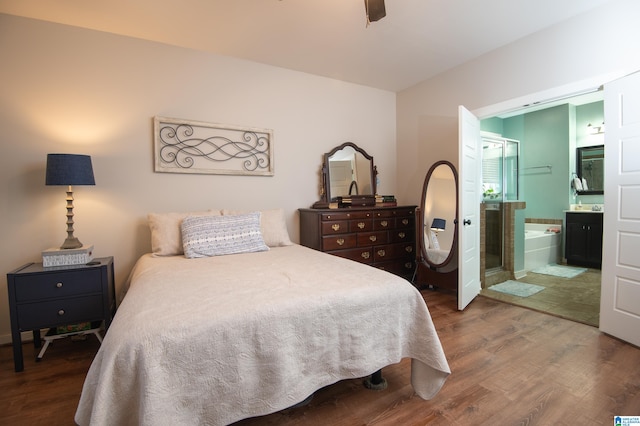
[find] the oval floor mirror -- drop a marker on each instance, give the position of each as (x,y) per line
(437,264)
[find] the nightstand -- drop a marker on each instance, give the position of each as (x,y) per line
(50,297)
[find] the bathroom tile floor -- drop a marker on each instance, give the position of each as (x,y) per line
(576,299)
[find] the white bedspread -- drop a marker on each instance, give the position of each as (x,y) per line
(215,340)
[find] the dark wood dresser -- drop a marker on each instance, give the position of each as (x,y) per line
(383,237)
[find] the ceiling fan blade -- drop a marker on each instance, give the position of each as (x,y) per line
(375,9)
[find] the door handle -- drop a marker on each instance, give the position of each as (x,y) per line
(466,222)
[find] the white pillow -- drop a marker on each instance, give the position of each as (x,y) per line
(166,237)
(272,225)
(434,241)
(205,236)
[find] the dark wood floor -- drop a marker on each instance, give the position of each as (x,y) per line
(511,366)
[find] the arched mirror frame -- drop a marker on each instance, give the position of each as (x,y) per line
(325,190)
(356,148)
(454,243)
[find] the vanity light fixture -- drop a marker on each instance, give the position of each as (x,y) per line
(595,130)
(438,224)
(69,169)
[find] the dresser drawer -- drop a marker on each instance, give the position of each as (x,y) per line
(337,242)
(402,267)
(401,235)
(335,227)
(404,222)
(384,223)
(60,312)
(392,251)
(362,255)
(59,284)
(372,238)
(361,225)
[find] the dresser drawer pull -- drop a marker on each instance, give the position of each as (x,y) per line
(408,265)
(340,241)
(373,238)
(61,312)
(365,254)
(408,249)
(405,221)
(59,285)
(384,223)
(335,226)
(361,225)
(401,234)
(381,253)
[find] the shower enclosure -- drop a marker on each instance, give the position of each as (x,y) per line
(500,157)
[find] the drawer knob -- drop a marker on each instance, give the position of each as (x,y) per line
(381,253)
(373,238)
(361,225)
(340,241)
(408,249)
(59,285)
(405,221)
(61,312)
(401,234)
(365,254)
(384,223)
(335,226)
(408,265)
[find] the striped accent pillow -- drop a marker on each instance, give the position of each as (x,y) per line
(205,236)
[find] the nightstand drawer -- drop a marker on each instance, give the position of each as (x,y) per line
(60,312)
(58,284)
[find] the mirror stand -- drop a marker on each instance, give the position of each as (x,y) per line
(437,260)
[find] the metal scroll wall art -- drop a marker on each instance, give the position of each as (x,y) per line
(195,147)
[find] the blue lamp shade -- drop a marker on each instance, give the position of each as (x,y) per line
(438,224)
(69,169)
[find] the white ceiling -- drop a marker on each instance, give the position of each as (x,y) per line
(415,41)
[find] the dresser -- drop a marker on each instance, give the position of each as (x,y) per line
(42,297)
(383,237)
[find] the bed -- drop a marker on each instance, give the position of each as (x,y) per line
(215,339)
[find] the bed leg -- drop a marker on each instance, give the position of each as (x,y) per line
(376,381)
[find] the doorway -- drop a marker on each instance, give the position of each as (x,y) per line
(545,177)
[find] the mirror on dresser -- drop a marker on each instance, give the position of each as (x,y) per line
(347,170)
(438,228)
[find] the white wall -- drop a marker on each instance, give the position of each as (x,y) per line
(70,90)
(590,47)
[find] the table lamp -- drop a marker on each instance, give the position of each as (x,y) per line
(69,169)
(438,224)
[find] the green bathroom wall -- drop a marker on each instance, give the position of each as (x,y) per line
(548,137)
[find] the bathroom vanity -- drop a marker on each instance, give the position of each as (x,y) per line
(583,245)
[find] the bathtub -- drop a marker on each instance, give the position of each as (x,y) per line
(541,247)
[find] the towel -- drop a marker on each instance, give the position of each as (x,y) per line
(584,185)
(577,184)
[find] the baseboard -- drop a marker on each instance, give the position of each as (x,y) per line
(520,274)
(27,336)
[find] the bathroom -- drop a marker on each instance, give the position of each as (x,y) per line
(531,191)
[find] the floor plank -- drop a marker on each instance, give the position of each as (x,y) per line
(510,366)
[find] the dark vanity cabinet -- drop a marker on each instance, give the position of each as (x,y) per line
(583,245)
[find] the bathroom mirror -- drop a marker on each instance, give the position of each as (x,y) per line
(590,168)
(347,170)
(438,227)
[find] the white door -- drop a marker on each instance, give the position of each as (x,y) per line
(620,292)
(341,177)
(469,161)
